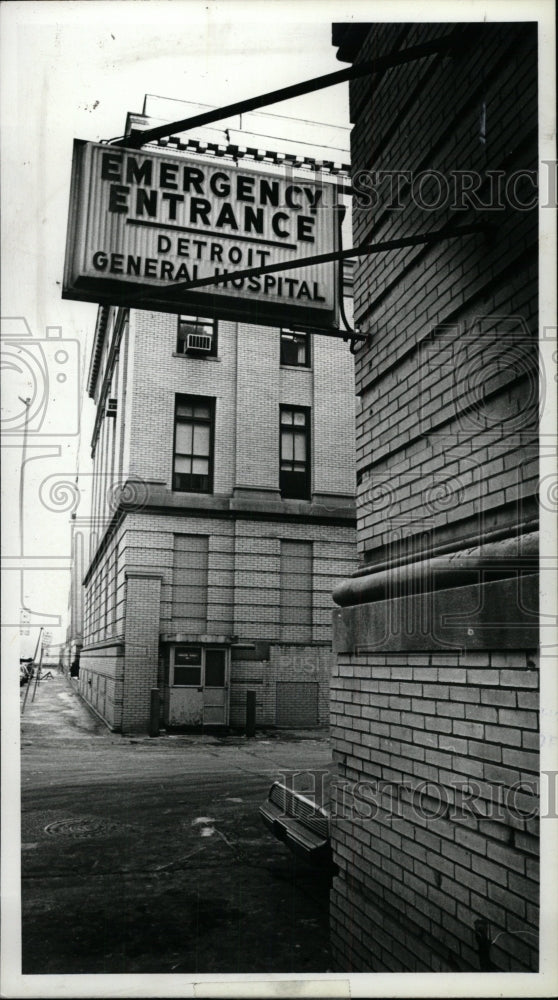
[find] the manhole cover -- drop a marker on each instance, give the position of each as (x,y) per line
(84,826)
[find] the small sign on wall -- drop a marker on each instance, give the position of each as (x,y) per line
(187,655)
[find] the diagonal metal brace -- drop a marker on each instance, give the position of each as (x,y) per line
(325,258)
(140,137)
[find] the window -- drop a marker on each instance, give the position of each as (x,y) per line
(193,444)
(187,666)
(196,666)
(295,348)
(294,475)
(189,582)
(296,591)
(197,334)
(215,664)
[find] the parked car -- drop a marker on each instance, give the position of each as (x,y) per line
(25,673)
(299,822)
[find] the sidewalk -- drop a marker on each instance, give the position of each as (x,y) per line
(55,711)
(59,712)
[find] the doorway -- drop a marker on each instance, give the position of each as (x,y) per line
(198,686)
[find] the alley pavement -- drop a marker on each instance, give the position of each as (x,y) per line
(148,855)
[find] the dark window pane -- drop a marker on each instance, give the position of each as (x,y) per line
(191,483)
(294,485)
(190,676)
(215,668)
(199,484)
(294,348)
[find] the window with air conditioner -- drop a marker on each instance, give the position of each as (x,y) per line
(196,335)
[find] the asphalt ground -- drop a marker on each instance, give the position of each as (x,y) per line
(148,855)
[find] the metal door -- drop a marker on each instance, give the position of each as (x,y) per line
(198,686)
(215,691)
(186,690)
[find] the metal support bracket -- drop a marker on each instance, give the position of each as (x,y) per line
(357,340)
(444,45)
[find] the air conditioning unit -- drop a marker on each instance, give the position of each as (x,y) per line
(202,342)
(112,405)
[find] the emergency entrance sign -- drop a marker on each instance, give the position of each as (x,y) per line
(144,223)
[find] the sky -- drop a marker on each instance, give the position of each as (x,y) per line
(73,70)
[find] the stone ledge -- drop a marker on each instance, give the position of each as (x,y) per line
(500,614)
(503,558)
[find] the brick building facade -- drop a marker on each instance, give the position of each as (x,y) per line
(434,705)
(223,512)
